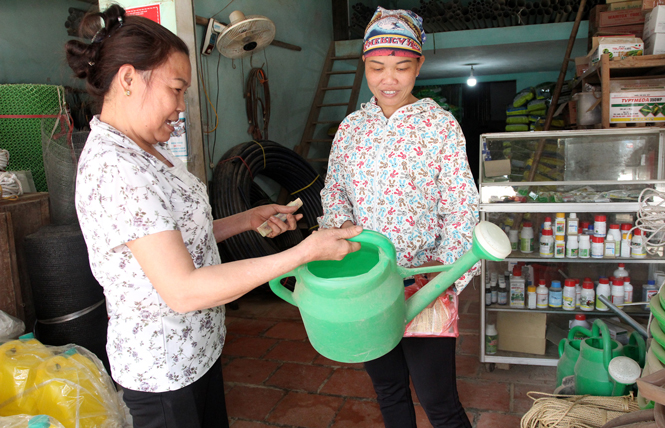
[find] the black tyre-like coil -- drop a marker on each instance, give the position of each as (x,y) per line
(62,284)
(234,191)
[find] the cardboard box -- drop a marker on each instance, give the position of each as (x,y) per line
(522,332)
(637,101)
(648,5)
(622,30)
(614,18)
(581,65)
(570,113)
(594,15)
(618,47)
(655,22)
(624,5)
(655,45)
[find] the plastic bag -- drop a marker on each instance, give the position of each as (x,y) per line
(67,383)
(10,327)
(439,318)
(29,421)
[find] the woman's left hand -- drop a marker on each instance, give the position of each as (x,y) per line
(268,213)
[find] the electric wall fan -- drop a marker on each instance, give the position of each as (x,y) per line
(242,37)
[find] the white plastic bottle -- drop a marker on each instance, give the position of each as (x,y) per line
(597,247)
(547,244)
(517,288)
(626,238)
(513,236)
(610,247)
(526,238)
(617,292)
(573,225)
(542,295)
(578,293)
(568,301)
(588,296)
(621,271)
(560,224)
(491,339)
(503,293)
(580,320)
(585,246)
(616,234)
(559,247)
(637,248)
(531,298)
(603,289)
(600,225)
(627,290)
(572,247)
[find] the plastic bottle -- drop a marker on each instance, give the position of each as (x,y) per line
(585,246)
(547,244)
(526,238)
(559,247)
(627,290)
(603,289)
(621,271)
(588,296)
(531,297)
(626,238)
(617,292)
(556,295)
(488,293)
(600,225)
(503,293)
(560,224)
(572,247)
(583,228)
(648,291)
(578,293)
(637,248)
(542,295)
(514,239)
(590,230)
(547,224)
(580,320)
(597,247)
(610,247)
(491,339)
(517,288)
(573,225)
(568,295)
(495,289)
(616,234)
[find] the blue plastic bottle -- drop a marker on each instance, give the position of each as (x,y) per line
(556,295)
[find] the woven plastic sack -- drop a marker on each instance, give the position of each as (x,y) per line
(517,119)
(67,383)
(516,111)
(439,318)
(29,421)
(517,127)
(523,97)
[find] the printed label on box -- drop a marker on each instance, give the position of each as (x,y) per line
(620,17)
(637,106)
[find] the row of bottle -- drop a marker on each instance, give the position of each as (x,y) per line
(571,296)
(586,241)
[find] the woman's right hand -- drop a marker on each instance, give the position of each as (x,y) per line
(331,244)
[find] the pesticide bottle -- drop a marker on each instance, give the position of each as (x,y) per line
(637,248)
(627,290)
(526,238)
(617,292)
(560,224)
(603,289)
(547,244)
(588,296)
(568,300)
(573,225)
(621,271)
(542,295)
(572,247)
(556,295)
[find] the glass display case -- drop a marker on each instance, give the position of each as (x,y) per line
(527,177)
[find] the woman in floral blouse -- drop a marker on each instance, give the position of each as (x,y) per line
(398,166)
(149,231)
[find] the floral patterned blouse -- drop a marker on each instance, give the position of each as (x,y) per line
(122,194)
(407,177)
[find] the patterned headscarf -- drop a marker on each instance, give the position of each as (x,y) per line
(394,32)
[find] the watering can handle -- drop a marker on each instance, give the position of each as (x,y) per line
(377,239)
(576,329)
(637,340)
(281,291)
(599,327)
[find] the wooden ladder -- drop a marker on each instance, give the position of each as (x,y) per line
(313,120)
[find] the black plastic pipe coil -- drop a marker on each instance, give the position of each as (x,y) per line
(234,191)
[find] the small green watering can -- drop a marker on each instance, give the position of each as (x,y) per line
(601,368)
(354,309)
(569,351)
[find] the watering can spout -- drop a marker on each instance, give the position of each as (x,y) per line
(489,242)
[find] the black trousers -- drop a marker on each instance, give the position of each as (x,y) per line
(199,405)
(430,362)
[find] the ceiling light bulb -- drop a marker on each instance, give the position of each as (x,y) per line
(471,81)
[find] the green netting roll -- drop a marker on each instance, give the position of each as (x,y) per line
(23,137)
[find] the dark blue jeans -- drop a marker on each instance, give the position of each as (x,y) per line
(430,362)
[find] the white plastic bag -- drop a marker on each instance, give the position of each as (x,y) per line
(10,327)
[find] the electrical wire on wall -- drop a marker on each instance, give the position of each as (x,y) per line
(204,75)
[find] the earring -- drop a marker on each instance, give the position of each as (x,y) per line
(127,92)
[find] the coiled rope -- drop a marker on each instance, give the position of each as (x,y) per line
(257,85)
(234,191)
(575,411)
(10,186)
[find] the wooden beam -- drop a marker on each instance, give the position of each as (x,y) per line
(340,18)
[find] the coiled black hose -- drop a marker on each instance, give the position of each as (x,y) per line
(234,191)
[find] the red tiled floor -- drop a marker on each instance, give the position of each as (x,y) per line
(421,418)
(321,360)
(252,403)
(249,347)
(290,330)
(349,383)
(356,413)
(467,365)
(249,370)
(247,327)
(498,420)
(300,377)
(521,402)
(484,395)
(247,424)
(297,352)
(307,410)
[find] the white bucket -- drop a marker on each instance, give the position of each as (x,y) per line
(585,101)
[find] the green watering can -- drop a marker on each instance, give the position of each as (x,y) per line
(354,309)
(569,351)
(601,368)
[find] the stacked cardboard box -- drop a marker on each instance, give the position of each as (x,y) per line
(616,19)
(654,31)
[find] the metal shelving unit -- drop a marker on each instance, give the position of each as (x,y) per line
(602,160)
